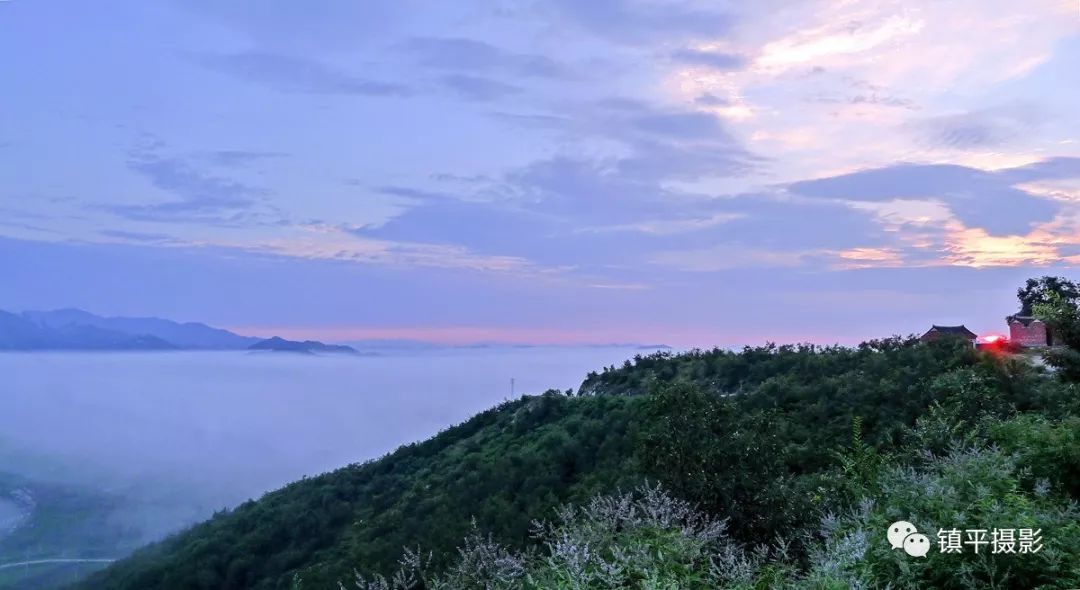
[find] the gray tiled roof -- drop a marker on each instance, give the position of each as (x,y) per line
(960,330)
(1023,319)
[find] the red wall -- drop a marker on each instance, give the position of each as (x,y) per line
(1034,334)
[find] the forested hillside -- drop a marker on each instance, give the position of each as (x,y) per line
(762,438)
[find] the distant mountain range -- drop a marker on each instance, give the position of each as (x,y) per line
(75,329)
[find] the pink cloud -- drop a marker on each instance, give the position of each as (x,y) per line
(703,337)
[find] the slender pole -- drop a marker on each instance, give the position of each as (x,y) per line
(511,387)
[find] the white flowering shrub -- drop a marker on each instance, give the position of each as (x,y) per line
(644,539)
(647,539)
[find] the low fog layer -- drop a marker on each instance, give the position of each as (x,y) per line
(182,434)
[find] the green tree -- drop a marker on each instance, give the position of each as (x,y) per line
(1062,316)
(729,461)
(1044,290)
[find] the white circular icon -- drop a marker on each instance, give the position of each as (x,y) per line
(897,531)
(916,545)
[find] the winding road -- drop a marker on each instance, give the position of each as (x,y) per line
(47,561)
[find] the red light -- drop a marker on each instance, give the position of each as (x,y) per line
(993,343)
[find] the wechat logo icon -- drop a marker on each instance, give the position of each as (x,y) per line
(903,535)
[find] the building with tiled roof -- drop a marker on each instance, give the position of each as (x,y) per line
(938,332)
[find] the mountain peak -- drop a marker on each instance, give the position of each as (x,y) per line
(277,343)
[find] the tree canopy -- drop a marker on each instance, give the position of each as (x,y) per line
(1045,290)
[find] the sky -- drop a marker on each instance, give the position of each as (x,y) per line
(545,171)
